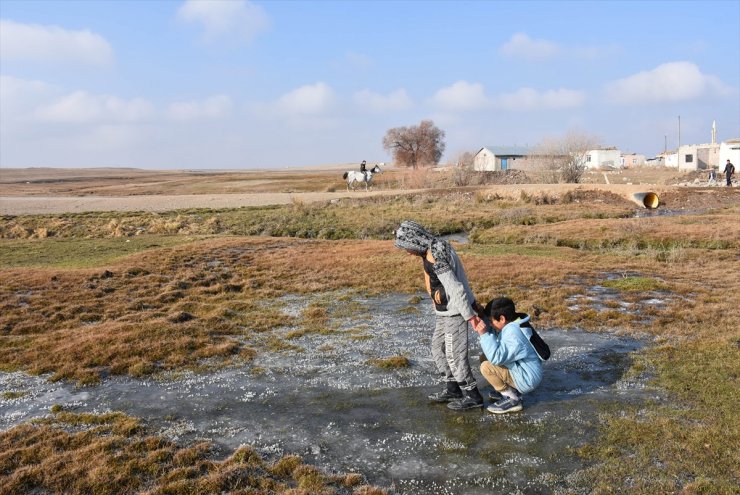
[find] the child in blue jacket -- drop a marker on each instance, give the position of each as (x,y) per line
(513,367)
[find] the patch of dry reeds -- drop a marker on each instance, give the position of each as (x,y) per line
(711,231)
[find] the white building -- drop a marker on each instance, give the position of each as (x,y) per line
(729,150)
(698,156)
(604,158)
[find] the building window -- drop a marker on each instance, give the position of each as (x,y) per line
(689,158)
(634,161)
(588,158)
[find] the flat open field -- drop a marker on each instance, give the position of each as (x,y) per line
(40,191)
(282,346)
(128,182)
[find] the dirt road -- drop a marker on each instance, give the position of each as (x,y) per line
(30,205)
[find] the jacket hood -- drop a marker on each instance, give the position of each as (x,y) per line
(411,235)
(522,319)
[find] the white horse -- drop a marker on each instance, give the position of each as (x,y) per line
(353,176)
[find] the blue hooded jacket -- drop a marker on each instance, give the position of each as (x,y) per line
(511,348)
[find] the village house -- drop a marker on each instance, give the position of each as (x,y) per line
(603,158)
(632,160)
(658,160)
(698,156)
(665,159)
(492,158)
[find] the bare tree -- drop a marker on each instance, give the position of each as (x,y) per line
(465,160)
(415,145)
(463,174)
(565,159)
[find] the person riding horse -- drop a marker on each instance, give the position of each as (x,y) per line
(364,175)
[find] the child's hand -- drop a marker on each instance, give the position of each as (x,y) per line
(478,325)
(480,310)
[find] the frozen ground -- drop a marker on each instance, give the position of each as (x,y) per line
(328,405)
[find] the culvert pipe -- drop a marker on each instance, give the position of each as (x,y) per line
(647,199)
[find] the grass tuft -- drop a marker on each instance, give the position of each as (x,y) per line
(390,363)
(635,284)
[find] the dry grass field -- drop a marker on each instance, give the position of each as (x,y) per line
(53,191)
(87,296)
(126,182)
(129,182)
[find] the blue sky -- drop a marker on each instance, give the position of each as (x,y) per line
(246,84)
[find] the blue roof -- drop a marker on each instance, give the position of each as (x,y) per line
(508,150)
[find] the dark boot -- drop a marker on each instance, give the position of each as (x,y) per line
(452,392)
(471,400)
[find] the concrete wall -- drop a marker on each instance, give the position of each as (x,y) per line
(708,157)
(687,160)
(526,163)
(671,160)
(698,156)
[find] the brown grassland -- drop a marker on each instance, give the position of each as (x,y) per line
(86,296)
(126,182)
(112,453)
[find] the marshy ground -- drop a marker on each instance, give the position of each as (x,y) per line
(332,402)
(231,341)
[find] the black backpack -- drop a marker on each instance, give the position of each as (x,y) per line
(539,345)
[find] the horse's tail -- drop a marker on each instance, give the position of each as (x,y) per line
(345,175)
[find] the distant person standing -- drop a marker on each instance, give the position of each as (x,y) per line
(729,172)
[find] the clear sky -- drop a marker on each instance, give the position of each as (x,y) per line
(251,84)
